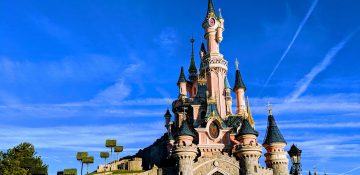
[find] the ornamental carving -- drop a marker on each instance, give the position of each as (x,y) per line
(223,164)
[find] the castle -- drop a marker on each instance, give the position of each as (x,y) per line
(206,137)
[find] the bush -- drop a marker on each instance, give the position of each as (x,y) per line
(110,143)
(70,171)
(104,155)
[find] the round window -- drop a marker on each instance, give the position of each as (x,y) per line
(214,130)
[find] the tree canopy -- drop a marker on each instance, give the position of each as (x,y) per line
(21,160)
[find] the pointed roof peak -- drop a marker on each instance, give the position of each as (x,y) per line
(167,114)
(250,117)
(202,49)
(246,128)
(239,82)
(220,15)
(181,76)
(227,84)
(294,149)
(211,9)
(192,68)
(273,133)
(185,130)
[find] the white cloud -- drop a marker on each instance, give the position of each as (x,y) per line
(304,83)
(167,40)
(75,138)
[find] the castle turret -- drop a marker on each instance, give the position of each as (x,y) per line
(202,50)
(228,98)
(185,151)
(274,144)
(182,83)
(167,117)
(192,68)
(220,29)
(248,151)
(239,89)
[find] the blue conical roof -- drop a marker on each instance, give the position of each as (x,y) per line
(167,114)
(227,84)
(247,129)
(273,133)
(239,83)
(185,130)
(181,76)
(211,9)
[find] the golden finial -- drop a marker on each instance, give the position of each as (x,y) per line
(237,64)
(269,108)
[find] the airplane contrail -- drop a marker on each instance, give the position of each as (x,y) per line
(350,170)
(308,14)
(304,83)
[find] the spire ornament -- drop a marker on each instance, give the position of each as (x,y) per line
(192,69)
(236,64)
(269,106)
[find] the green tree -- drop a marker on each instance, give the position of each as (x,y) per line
(80,156)
(110,144)
(70,171)
(21,160)
(104,155)
(88,160)
(118,150)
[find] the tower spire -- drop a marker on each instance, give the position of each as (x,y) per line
(192,69)
(239,83)
(249,118)
(211,9)
(220,15)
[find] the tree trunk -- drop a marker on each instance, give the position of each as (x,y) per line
(82,165)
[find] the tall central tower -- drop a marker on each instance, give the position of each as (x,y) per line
(214,63)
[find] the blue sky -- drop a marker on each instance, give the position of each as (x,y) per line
(74,73)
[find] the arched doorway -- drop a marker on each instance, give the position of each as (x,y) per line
(218,173)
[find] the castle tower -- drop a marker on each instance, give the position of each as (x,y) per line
(249,150)
(193,76)
(274,144)
(228,98)
(239,89)
(185,151)
(167,117)
(192,68)
(213,62)
(182,84)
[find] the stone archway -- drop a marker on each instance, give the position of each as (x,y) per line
(216,165)
(217,173)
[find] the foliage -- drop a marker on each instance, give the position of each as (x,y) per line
(81,155)
(71,171)
(110,143)
(21,160)
(118,149)
(89,159)
(104,155)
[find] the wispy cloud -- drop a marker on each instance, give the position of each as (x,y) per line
(304,83)
(319,104)
(167,40)
(87,138)
(303,22)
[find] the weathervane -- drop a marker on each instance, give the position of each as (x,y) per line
(237,64)
(269,108)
